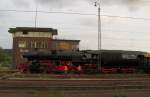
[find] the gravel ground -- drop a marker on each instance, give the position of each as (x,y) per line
(74,93)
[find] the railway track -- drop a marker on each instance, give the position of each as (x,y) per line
(75,84)
(128,87)
(61,82)
(75,88)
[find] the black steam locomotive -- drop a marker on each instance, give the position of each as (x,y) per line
(86,61)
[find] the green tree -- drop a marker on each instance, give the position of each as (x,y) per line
(5,58)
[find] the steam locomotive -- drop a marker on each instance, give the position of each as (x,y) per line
(86,61)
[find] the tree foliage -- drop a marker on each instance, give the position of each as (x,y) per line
(5,58)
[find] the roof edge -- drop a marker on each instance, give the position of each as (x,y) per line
(34,29)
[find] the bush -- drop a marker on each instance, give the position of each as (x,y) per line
(5,59)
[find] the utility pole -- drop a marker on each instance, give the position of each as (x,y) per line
(35,21)
(97,4)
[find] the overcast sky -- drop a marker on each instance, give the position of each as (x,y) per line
(117,33)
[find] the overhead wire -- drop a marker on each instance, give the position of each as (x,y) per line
(77,13)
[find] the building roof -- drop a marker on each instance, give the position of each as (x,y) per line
(66,40)
(33,29)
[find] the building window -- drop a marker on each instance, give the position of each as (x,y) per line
(64,45)
(33,44)
(25,33)
(22,44)
(44,45)
(39,44)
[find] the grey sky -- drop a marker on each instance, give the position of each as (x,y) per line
(117,33)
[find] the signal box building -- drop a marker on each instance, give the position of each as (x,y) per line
(30,39)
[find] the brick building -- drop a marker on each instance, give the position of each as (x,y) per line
(28,39)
